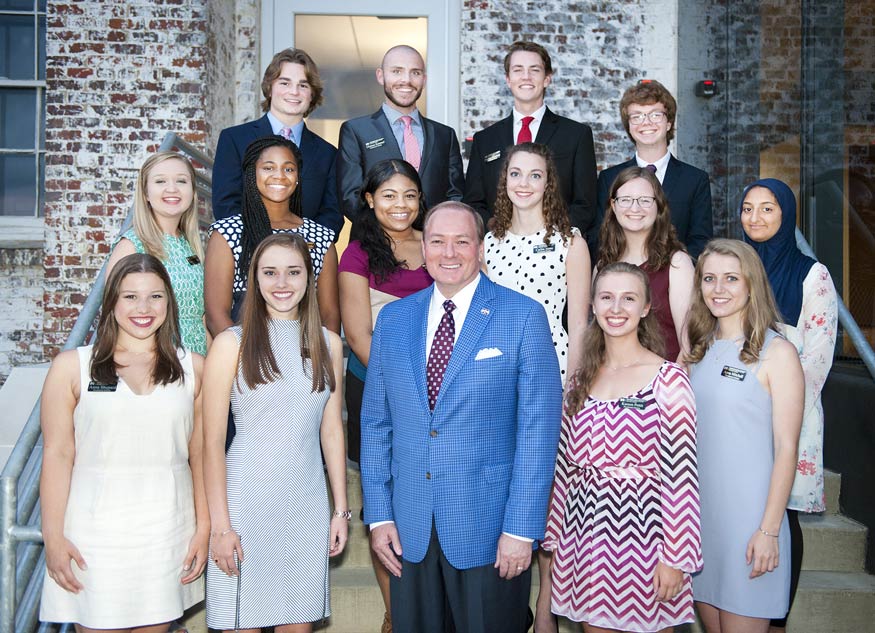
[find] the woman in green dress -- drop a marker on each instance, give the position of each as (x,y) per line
(166,226)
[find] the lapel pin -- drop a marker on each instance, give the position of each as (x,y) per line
(484,311)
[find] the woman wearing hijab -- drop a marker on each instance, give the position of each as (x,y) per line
(806,299)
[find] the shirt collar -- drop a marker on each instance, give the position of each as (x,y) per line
(276,125)
(660,164)
(461,299)
(393,115)
(537,115)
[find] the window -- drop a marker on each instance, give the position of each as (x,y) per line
(22,106)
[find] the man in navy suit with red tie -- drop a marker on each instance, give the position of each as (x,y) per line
(648,112)
(292,90)
(528,71)
(398,130)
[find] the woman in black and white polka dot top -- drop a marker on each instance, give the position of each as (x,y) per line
(533,248)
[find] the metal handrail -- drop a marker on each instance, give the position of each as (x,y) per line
(852,329)
(22,559)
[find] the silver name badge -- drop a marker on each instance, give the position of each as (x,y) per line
(493,156)
(377,142)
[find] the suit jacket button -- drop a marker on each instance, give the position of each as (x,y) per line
(433,433)
(428,475)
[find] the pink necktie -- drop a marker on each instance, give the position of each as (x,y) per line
(411,145)
(286,133)
(441,348)
(525,135)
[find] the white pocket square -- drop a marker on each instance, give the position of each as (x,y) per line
(487,352)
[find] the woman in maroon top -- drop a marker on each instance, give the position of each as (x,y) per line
(638,230)
(385,263)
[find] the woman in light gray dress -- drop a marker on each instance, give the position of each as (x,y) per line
(271,527)
(749,392)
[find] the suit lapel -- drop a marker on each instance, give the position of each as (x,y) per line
(417,345)
(548,127)
(381,123)
(262,127)
(671,173)
(504,129)
(427,142)
(475,323)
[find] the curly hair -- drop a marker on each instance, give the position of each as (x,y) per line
(555,211)
(371,235)
(273,70)
(662,241)
(256,221)
(593,352)
(760,313)
(648,93)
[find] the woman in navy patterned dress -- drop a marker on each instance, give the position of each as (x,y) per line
(271,528)
(271,204)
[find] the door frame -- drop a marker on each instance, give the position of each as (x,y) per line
(443,102)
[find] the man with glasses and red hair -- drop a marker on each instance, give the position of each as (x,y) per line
(648,112)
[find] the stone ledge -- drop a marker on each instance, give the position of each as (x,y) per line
(22,232)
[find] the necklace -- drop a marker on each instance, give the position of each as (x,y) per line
(637,361)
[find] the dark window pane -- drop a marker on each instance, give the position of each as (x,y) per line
(16,47)
(42,49)
(17,117)
(17,184)
(41,94)
(20,5)
(42,187)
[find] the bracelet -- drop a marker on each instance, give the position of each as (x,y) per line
(345,514)
(222,533)
(767,533)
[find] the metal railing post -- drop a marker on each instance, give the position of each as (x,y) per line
(8,504)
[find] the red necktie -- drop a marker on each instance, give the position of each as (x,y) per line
(411,145)
(525,135)
(441,348)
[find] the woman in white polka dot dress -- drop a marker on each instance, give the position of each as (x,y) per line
(534,250)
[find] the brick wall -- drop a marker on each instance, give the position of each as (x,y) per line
(120,75)
(21,308)
(598,49)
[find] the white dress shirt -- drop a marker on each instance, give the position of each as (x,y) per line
(661,165)
(534,126)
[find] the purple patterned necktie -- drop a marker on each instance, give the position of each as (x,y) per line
(441,348)
(651,168)
(286,133)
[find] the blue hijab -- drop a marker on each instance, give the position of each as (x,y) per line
(786,266)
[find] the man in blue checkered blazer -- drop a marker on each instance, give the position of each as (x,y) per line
(456,497)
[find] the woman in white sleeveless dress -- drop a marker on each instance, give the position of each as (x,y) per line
(124,514)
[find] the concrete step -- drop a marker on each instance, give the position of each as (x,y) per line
(833,543)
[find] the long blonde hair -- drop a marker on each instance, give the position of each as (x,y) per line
(145,225)
(760,313)
(593,353)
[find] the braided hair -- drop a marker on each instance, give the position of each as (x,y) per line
(256,222)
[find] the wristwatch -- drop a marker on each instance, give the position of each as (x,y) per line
(346,514)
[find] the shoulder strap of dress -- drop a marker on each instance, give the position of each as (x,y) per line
(84,354)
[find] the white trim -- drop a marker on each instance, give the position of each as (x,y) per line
(22,232)
(444,41)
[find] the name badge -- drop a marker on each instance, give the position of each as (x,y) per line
(734,373)
(101,388)
(544,248)
(493,156)
(633,403)
(193,260)
(377,142)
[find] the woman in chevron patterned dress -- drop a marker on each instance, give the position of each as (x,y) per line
(623,522)
(272,531)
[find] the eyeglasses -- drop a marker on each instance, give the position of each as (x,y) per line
(639,117)
(625,202)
